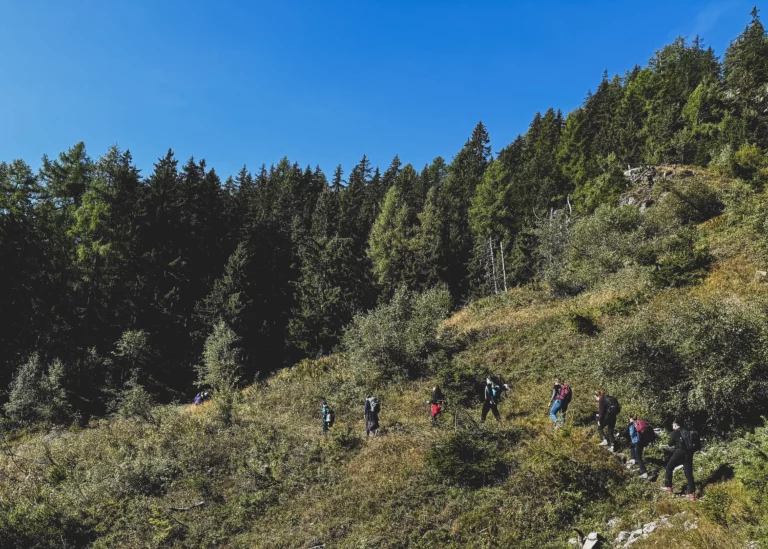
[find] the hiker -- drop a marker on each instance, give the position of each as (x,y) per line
(436,404)
(327,416)
(684,443)
(198,398)
(608,409)
(561,397)
(493,392)
(371,413)
(641,435)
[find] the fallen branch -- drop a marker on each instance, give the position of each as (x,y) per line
(198,504)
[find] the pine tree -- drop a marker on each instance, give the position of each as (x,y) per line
(388,248)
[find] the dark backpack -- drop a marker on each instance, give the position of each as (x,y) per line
(690,440)
(613,408)
(565,393)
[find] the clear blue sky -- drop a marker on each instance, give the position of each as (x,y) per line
(320,82)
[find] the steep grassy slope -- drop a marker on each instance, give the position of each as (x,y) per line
(180,479)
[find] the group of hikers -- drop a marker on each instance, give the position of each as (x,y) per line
(683,442)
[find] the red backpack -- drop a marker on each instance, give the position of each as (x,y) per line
(641,426)
(565,393)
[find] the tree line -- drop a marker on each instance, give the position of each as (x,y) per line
(112,279)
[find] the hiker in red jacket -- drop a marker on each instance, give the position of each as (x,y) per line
(436,404)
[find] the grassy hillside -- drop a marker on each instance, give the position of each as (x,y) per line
(664,308)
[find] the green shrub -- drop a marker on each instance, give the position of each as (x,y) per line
(37,395)
(683,261)
(467,458)
(397,338)
(136,402)
(691,202)
(752,466)
(583,321)
(220,370)
(700,360)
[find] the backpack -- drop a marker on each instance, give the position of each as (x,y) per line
(330,417)
(613,406)
(642,426)
(565,393)
(691,441)
(375,406)
(496,392)
(645,431)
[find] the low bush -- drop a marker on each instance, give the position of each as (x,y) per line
(468,458)
(682,261)
(397,338)
(702,360)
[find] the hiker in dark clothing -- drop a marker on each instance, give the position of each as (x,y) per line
(559,401)
(608,409)
(327,416)
(493,393)
(436,404)
(641,434)
(371,413)
(684,446)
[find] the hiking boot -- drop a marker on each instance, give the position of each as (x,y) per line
(604,443)
(666,489)
(644,476)
(691,497)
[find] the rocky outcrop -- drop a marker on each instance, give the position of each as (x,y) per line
(627,539)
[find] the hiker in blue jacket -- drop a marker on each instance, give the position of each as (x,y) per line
(493,392)
(559,401)
(327,416)
(641,435)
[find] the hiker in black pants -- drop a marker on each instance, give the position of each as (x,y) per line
(684,445)
(608,409)
(371,413)
(493,393)
(327,416)
(641,434)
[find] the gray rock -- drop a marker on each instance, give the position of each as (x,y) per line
(650,527)
(614,522)
(593,541)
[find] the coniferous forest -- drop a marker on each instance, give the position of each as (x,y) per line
(118,275)
(622,245)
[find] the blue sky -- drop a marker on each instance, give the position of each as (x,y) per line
(320,82)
